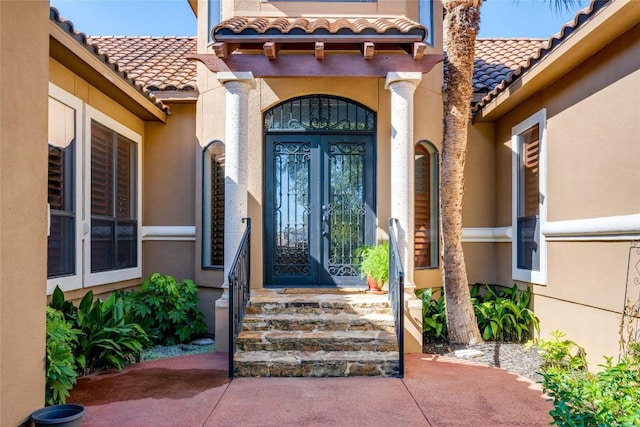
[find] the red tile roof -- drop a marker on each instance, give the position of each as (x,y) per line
(496,59)
(81,38)
(581,17)
(158,63)
(318,27)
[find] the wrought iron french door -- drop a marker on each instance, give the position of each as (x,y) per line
(319,207)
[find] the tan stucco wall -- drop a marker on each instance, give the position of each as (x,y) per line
(169,163)
(592,152)
(23,195)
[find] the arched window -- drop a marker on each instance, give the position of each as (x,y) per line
(426,205)
(213,205)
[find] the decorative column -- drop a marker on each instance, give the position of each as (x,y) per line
(237,86)
(402,87)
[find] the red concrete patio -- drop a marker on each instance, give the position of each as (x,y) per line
(195,391)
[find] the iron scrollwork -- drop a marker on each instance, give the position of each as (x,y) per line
(319,113)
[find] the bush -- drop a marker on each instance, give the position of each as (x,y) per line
(434,317)
(106,338)
(62,365)
(167,310)
(502,315)
(609,398)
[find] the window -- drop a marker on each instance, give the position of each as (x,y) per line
(112,174)
(426,18)
(106,156)
(113,210)
(213,206)
(529,207)
(63,244)
(426,206)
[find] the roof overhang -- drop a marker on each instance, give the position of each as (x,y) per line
(64,48)
(603,27)
(194,6)
(309,47)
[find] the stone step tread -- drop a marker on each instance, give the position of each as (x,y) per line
(318,321)
(362,336)
(296,357)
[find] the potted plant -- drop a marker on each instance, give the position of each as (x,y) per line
(374,265)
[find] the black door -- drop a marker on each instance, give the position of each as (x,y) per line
(319,207)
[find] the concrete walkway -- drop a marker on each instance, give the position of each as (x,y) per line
(195,391)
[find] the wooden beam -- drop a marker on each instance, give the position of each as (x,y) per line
(369,49)
(319,50)
(221,49)
(419,49)
(335,65)
(270,49)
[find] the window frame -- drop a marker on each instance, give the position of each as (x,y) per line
(538,277)
(74,281)
(434,202)
(116,275)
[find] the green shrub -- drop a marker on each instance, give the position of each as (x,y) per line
(167,310)
(434,317)
(106,338)
(610,397)
(504,314)
(61,366)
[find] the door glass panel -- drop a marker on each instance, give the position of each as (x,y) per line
(345,212)
(291,210)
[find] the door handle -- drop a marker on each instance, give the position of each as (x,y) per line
(325,223)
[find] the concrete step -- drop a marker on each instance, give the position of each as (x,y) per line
(316,364)
(318,322)
(304,341)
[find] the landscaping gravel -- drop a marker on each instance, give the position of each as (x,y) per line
(163,352)
(512,357)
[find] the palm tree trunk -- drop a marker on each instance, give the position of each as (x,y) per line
(462,23)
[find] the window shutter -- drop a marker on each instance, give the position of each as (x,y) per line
(217,209)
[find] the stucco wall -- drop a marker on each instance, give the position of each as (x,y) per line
(23,195)
(169,197)
(592,155)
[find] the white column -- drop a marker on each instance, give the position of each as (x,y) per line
(237,86)
(402,87)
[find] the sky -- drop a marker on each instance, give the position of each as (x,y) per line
(499,18)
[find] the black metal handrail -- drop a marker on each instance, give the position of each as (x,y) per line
(239,291)
(396,290)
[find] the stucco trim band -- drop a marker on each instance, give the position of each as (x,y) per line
(486,234)
(620,228)
(186,233)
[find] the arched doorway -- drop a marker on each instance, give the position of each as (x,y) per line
(319,203)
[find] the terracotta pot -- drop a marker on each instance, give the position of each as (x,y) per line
(374,287)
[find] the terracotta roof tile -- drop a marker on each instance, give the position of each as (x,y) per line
(497,58)
(265,26)
(82,38)
(581,17)
(158,63)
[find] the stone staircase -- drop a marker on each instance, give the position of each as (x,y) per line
(328,334)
